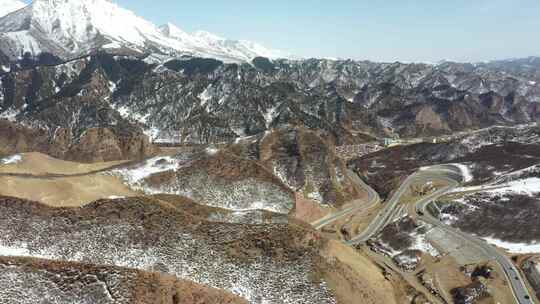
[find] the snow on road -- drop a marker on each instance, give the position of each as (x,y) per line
(134,175)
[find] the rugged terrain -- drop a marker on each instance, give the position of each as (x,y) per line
(70,79)
(485,154)
(274,262)
(304,161)
(198,169)
(502,211)
(204,100)
(213,177)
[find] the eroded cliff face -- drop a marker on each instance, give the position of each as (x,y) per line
(94,145)
(62,110)
(304,160)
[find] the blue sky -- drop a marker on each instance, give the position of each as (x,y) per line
(381,30)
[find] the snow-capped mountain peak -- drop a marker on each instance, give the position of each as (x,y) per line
(70,28)
(9,6)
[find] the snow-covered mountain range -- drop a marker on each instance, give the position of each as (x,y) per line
(71,28)
(201,100)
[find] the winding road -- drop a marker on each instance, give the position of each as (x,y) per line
(357,205)
(452,176)
(513,276)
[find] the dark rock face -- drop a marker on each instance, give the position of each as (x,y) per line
(96,144)
(204,100)
(469,294)
(62,110)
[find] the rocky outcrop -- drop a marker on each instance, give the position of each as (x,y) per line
(94,145)
(101,144)
(307,163)
(427,119)
(63,111)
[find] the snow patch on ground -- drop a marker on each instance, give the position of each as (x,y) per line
(448,219)
(518,173)
(134,175)
(112,86)
(508,183)
(246,139)
(20,250)
(521,248)
(527,186)
(116,197)
(205,96)
(10,114)
(465,172)
(421,243)
(211,151)
(269,116)
(153,134)
(128,113)
(315,195)
(11,160)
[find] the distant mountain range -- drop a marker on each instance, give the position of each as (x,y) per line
(69,29)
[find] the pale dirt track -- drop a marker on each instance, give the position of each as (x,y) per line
(65,191)
(59,183)
(41,164)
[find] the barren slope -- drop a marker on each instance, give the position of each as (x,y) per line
(36,163)
(29,281)
(274,262)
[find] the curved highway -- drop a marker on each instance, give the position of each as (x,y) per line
(453,176)
(513,276)
(387,214)
(357,205)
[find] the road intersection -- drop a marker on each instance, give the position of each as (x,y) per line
(452,176)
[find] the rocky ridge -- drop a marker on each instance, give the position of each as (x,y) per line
(196,100)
